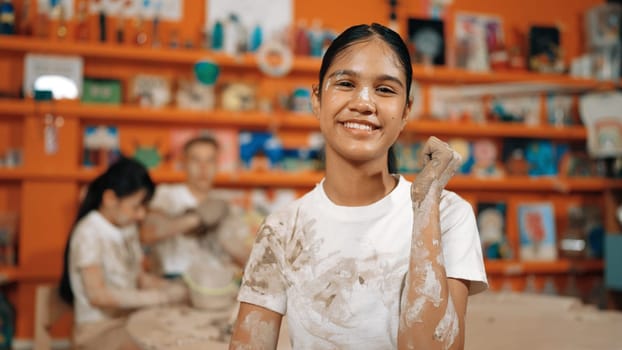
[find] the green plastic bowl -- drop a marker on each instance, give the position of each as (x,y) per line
(206,72)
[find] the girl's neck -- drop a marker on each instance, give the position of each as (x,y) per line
(352,185)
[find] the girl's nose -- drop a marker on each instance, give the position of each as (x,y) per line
(363,102)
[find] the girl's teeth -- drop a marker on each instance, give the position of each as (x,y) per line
(351,125)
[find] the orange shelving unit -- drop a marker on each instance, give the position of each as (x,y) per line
(301,64)
(560,266)
(219,118)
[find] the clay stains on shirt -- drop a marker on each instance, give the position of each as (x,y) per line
(261,278)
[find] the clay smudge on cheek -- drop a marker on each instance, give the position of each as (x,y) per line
(262,333)
(327,85)
(448,328)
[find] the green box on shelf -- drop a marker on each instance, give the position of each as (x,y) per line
(106,91)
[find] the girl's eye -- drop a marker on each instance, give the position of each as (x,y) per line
(385,90)
(344,83)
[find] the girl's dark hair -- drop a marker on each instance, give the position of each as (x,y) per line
(365,32)
(125,177)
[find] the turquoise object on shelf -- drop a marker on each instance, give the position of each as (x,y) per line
(206,72)
(256,39)
(218,36)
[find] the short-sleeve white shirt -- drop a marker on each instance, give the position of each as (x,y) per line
(96,241)
(175,253)
(337,271)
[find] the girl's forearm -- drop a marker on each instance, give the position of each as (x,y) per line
(428,319)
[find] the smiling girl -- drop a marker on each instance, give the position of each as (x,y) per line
(366,260)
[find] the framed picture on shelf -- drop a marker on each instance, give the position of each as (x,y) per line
(101,145)
(545,52)
(427,39)
(476,36)
(536,224)
(491,223)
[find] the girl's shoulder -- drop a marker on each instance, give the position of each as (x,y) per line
(94,226)
(288,215)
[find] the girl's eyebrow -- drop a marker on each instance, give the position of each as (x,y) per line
(383,77)
(388,77)
(343,72)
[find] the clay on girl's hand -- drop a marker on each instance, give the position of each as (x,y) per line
(440,163)
(212,211)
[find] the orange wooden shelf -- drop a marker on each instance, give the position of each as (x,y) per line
(272,178)
(309,179)
(129,113)
(461,76)
(499,267)
(8,274)
(12,173)
(433,127)
(123,52)
(308,65)
(443,128)
(525,183)
(101,112)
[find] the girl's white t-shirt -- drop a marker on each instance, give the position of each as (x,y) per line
(96,241)
(337,271)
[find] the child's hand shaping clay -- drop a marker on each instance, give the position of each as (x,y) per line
(439,165)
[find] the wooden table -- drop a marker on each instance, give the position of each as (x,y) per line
(185,328)
(513,321)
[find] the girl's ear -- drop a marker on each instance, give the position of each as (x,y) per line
(109,198)
(315,100)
